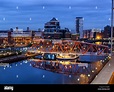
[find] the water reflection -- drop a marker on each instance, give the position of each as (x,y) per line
(71,73)
(85,71)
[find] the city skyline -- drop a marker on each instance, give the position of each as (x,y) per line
(34,14)
(56,42)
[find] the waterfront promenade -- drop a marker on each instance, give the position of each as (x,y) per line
(12,58)
(105,74)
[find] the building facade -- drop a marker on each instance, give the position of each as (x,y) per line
(52,30)
(107,31)
(92,33)
(79,26)
(17,36)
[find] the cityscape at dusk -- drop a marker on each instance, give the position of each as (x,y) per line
(34,13)
(56,42)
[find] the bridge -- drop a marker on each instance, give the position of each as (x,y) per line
(84,71)
(69,46)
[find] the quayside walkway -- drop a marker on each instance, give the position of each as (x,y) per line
(105,74)
(12,59)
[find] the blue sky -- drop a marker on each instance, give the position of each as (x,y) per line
(34,13)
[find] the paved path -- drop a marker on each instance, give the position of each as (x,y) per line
(104,75)
(12,58)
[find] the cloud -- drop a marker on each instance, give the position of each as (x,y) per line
(54,8)
(40,2)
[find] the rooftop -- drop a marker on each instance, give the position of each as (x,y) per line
(54,19)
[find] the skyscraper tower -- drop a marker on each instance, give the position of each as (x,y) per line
(79,26)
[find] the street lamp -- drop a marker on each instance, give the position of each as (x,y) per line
(112,25)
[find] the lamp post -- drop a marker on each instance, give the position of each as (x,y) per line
(112,25)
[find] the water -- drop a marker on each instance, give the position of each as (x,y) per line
(82,58)
(24,73)
(90,58)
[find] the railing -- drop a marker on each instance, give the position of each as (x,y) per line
(71,47)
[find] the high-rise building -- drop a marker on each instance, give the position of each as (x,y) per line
(107,31)
(79,26)
(52,26)
(28,29)
(52,30)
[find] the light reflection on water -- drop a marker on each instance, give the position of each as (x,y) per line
(23,73)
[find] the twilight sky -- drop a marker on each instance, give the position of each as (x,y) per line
(34,13)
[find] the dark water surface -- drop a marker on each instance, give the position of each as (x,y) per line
(24,73)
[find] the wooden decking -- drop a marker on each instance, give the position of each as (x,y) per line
(111,81)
